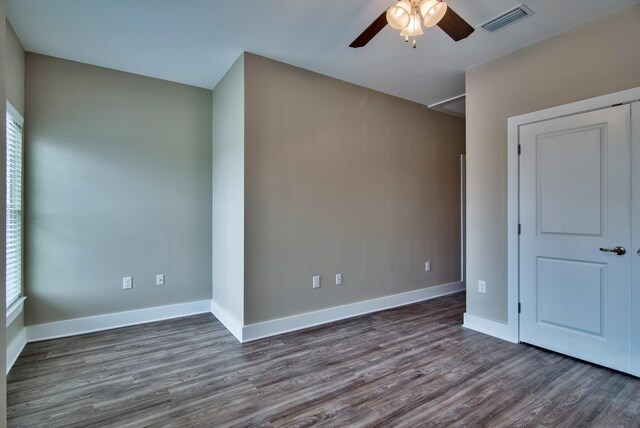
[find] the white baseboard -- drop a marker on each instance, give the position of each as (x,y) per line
(119,319)
(230,322)
(492,328)
(15,347)
(242,333)
(311,319)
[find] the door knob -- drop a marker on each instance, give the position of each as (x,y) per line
(617,250)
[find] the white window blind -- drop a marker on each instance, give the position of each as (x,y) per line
(14,205)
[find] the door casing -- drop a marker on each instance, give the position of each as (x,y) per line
(635,237)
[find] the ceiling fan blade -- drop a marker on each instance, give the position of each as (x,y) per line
(456,27)
(371,31)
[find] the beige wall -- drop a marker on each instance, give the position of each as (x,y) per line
(118,183)
(228,192)
(15,58)
(596,59)
(343,179)
(14,63)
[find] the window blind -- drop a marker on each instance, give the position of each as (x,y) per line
(14,207)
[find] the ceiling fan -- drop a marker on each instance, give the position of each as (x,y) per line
(406,15)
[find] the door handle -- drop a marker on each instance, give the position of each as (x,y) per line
(617,250)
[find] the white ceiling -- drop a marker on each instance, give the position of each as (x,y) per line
(196,41)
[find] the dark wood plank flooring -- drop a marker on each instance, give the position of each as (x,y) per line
(407,367)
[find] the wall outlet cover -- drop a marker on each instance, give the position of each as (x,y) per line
(338,279)
(127,283)
(482,286)
(160,279)
(316,281)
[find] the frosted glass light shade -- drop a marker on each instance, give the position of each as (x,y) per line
(432,11)
(414,28)
(398,16)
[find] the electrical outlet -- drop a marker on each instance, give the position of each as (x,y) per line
(338,279)
(482,286)
(160,279)
(316,281)
(427,266)
(127,283)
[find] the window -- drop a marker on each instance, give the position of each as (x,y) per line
(14,205)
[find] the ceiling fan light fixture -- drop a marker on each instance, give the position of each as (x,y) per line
(414,28)
(432,11)
(409,16)
(399,15)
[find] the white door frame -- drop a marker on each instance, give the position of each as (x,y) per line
(635,238)
(513,186)
(463,218)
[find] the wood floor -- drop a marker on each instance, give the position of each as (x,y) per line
(407,367)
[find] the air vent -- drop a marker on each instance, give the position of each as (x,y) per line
(509,17)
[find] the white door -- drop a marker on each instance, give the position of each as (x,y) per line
(575,206)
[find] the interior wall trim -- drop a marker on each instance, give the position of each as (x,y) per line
(77,326)
(242,333)
(324,316)
(15,347)
(229,321)
(490,327)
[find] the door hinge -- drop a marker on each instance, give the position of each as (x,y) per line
(519,307)
(519,229)
(519,149)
